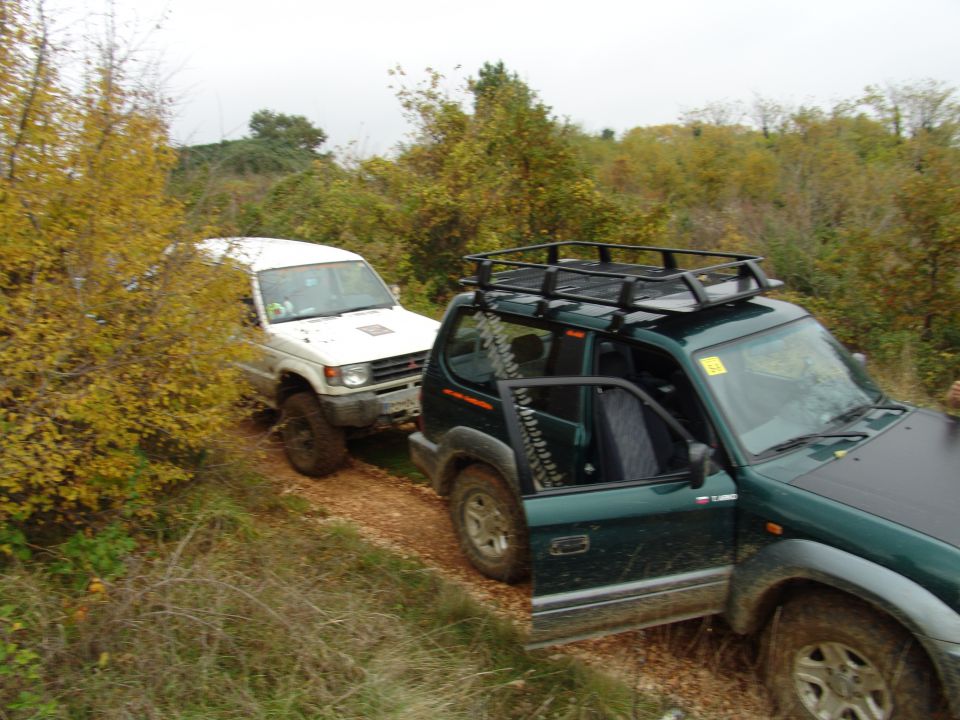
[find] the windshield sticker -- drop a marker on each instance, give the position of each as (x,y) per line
(713,366)
(375,330)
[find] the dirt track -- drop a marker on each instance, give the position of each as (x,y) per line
(702,666)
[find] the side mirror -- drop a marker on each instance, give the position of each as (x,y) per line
(860,358)
(699,456)
(395,291)
(251,318)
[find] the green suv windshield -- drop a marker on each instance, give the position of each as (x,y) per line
(785,384)
(320,290)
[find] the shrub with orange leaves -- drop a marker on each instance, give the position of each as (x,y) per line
(116,339)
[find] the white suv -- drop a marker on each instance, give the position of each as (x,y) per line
(340,355)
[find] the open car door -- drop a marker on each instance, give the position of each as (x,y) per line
(643,537)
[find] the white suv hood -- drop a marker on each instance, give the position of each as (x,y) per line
(355,337)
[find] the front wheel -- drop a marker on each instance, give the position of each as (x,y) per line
(313,446)
(489,524)
(831,657)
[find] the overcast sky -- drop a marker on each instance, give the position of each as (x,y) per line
(601,63)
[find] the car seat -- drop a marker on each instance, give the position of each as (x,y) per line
(634,441)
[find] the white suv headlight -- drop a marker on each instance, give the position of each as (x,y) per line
(351,376)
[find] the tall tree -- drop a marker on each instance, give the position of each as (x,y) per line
(293,130)
(928,107)
(929,253)
(505,174)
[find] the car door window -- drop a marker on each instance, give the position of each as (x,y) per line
(643,432)
(485,347)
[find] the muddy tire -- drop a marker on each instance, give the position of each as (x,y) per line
(832,657)
(313,446)
(490,525)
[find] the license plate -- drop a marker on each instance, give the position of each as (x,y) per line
(405,403)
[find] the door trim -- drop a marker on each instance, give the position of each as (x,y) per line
(566,617)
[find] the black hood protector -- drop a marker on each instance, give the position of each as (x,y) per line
(909,474)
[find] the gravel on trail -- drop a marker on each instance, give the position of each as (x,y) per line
(700,665)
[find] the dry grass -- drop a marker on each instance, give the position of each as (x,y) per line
(243,607)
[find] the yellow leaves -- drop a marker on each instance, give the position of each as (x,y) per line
(115,339)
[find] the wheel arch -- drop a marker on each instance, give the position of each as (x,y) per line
(290,383)
(791,564)
(464,446)
(790,568)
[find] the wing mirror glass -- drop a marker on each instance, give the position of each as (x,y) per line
(699,456)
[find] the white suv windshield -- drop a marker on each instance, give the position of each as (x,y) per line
(321,290)
(788,382)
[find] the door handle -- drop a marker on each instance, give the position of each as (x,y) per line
(572,545)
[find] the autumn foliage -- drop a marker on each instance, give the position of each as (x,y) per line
(115,339)
(856,207)
(114,336)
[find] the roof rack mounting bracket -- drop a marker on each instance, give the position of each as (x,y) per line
(548,289)
(548,286)
(696,288)
(751,268)
(480,300)
(617,320)
(626,292)
(484,273)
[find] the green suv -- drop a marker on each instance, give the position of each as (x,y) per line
(654,440)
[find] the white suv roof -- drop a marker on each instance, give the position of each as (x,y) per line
(266,253)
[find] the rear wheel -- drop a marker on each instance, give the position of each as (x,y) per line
(313,446)
(831,657)
(489,524)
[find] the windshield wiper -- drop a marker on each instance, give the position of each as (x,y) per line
(315,315)
(804,439)
(859,410)
(375,306)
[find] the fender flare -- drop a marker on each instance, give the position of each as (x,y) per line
(465,443)
(289,366)
(755,580)
(755,590)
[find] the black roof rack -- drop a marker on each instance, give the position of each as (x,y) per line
(628,277)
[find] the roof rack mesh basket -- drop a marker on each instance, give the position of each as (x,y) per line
(628,277)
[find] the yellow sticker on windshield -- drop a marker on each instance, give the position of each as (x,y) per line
(713,365)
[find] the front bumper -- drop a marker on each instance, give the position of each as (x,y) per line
(372,409)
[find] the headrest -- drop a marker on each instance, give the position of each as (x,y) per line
(526,347)
(613,364)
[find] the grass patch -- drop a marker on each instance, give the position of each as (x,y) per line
(388,449)
(237,604)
